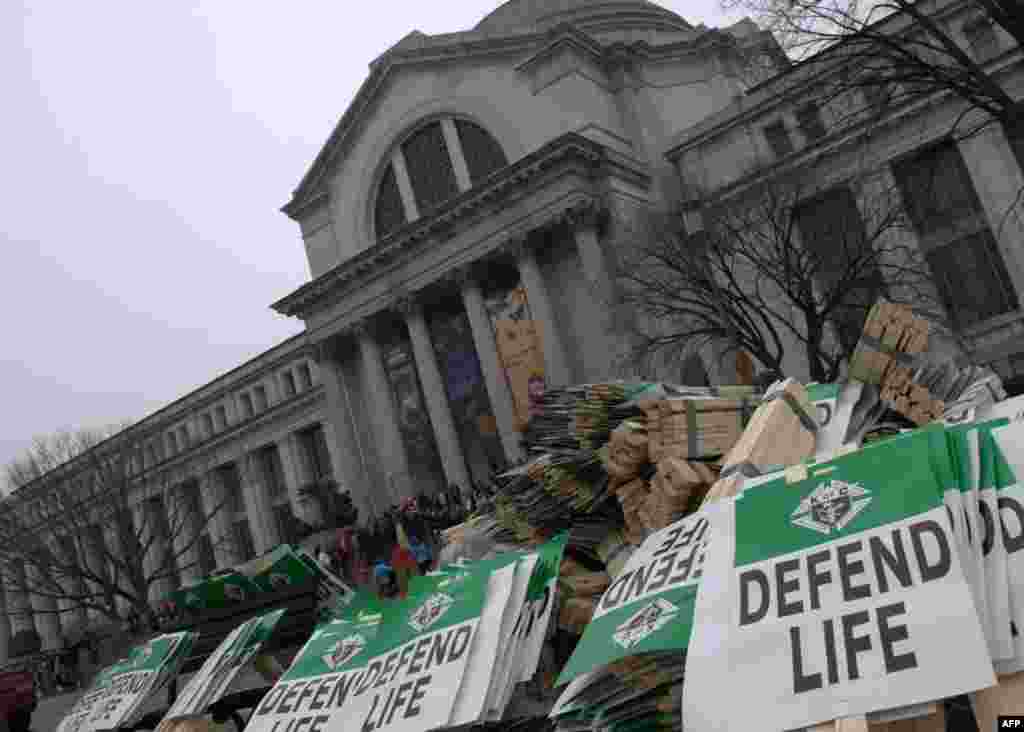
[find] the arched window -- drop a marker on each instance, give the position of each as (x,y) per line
(432,158)
(482,152)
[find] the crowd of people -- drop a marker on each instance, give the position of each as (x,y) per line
(403,542)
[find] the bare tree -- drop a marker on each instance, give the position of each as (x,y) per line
(89,530)
(793,268)
(897,51)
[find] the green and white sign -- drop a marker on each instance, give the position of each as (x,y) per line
(1010,503)
(399,671)
(650,605)
(215,677)
(837,595)
(120,691)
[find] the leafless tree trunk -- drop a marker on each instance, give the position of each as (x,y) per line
(769,275)
(92,530)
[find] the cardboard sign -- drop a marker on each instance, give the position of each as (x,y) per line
(121,690)
(397,672)
(1010,504)
(215,677)
(535,618)
(838,595)
(649,607)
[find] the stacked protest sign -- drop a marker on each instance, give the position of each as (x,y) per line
(214,679)
(120,692)
(629,662)
(278,570)
(1009,480)
(392,670)
(838,592)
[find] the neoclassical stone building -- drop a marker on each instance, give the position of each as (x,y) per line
(485,180)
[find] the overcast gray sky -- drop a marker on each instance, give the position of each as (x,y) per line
(146,150)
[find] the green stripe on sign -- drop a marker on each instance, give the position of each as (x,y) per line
(860,491)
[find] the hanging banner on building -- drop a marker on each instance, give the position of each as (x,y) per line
(650,605)
(219,671)
(840,594)
(354,674)
(519,348)
(120,691)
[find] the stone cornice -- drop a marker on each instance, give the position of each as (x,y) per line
(594,159)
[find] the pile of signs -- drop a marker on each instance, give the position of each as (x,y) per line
(869,584)
(285,566)
(449,654)
(118,696)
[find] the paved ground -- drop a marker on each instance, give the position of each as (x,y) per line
(51,710)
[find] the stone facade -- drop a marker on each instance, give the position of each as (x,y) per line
(521,156)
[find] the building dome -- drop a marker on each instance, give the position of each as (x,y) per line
(539,15)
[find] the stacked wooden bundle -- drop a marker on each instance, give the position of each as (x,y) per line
(892,336)
(580,589)
(691,428)
(627,451)
(674,490)
(780,433)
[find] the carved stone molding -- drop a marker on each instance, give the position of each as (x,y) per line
(517,247)
(358,329)
(463,276)
(407,305)
(584,215)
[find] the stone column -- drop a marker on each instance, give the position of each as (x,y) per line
(308,511)
(219,525)
(487,352)
(998,180)
(154,547)
(5,624)
(72,584)
(258,505)
(351,460)
(602,350)
(185,527)
(115,547)
(448,444)
(385,419)
(44,608)
(556,363)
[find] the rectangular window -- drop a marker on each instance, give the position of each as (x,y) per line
(172,443)
(288,383)
(207,560)
(272,470)
(222,417)
(315,453)
(809,119)
(972,278)
(305,376)
(832,231)
(954,234)
(247,407)
(286,524)
(244,543)
(207,425)
(261,398)
(981,34)
(184,436)
(778,139)
(231,482)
